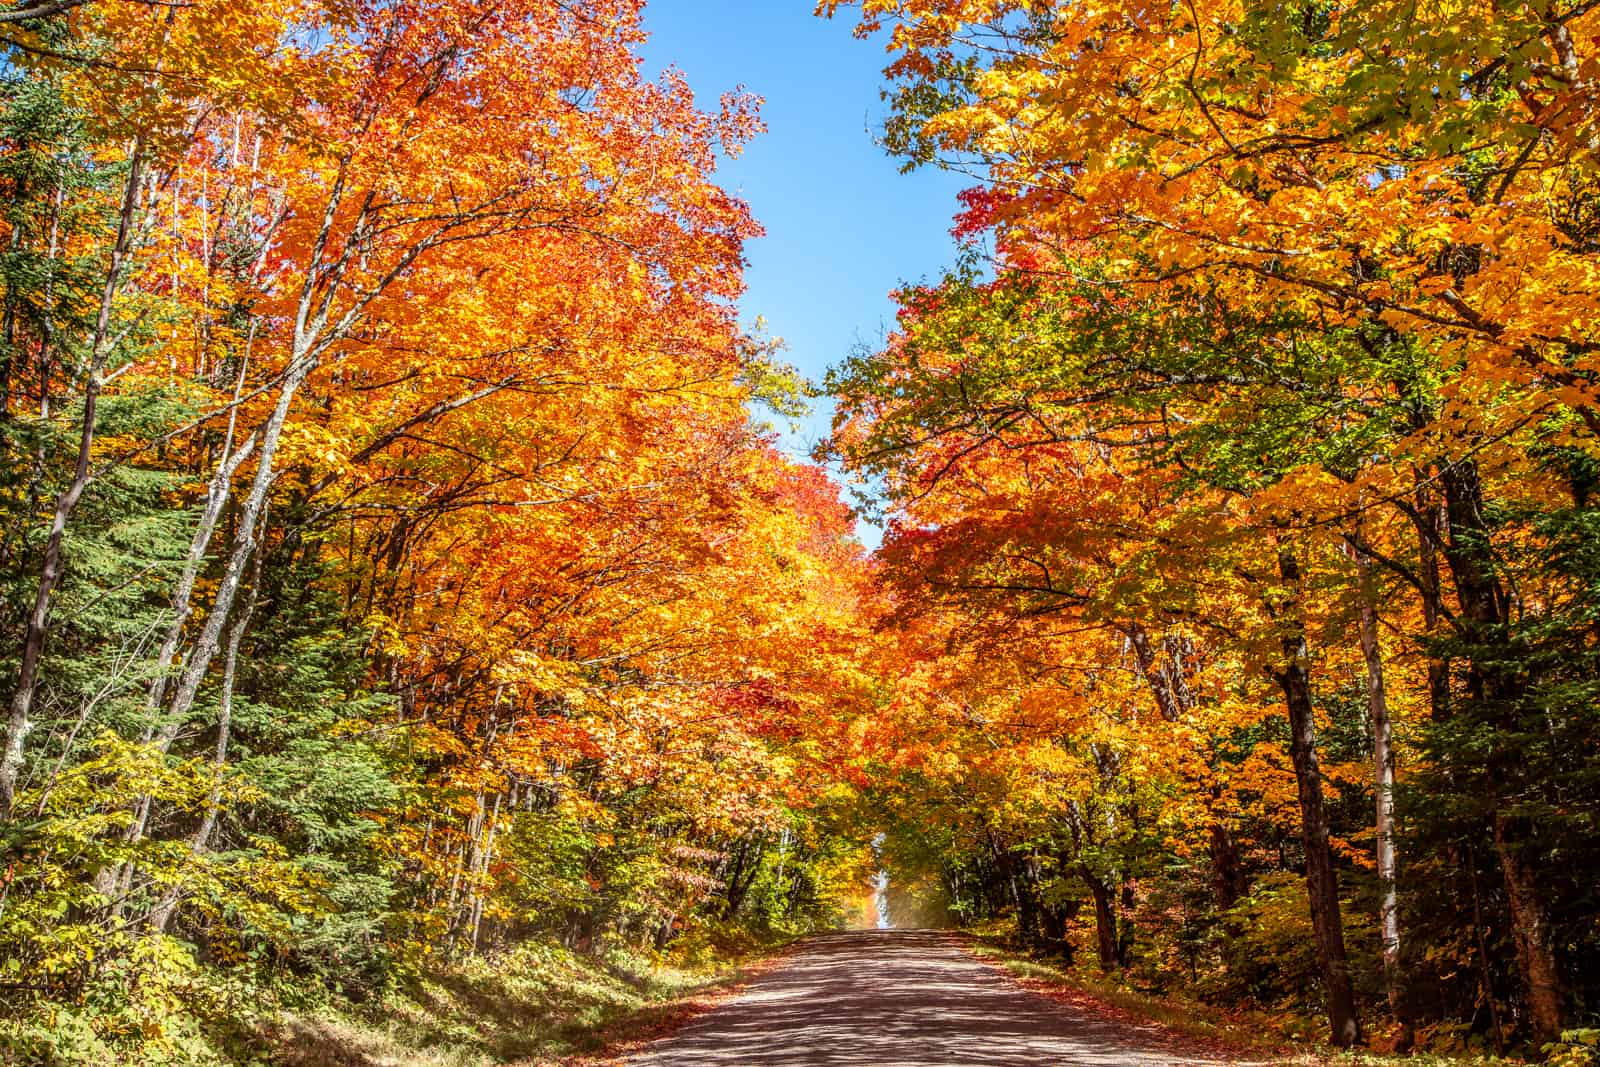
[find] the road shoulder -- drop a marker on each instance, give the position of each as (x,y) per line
(1180,1029)
(624,1038)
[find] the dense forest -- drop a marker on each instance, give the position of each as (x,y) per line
(1244,504)
(392,569)
(401,570)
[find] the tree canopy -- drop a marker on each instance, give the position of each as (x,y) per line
(401,567)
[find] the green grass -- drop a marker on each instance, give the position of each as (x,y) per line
(537,1005)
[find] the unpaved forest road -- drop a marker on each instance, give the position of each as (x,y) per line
(908,998)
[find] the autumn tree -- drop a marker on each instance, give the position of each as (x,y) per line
(1371,219)
(408,572)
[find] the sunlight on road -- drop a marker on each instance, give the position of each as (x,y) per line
(909,998)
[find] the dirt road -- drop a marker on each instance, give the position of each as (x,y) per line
(904,999)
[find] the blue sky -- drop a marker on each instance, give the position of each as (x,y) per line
(844,227)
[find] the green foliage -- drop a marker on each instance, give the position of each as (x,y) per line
(774,384)
(1268,947)
(1577,1048)
(241,793)
(151,1005)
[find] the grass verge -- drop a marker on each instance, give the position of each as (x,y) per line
(540,1005)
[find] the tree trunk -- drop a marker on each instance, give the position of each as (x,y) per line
(1383,784)
(1125,927)
(247,532)
(1485,611)
(113,881)
(200,841)
(1053,925)
(1228,885)
(20,720)
(1530,929)
(1021,894)
(1105,919)
(746,865)
(1428,517)
(1167,677)
(665,931)
(1322,886)
(1485,975)
(483,857)
(217,493)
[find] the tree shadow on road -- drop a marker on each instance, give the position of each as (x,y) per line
(907,999)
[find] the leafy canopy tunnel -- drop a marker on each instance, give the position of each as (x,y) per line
(403,585)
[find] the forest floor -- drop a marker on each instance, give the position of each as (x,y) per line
(1252,1036)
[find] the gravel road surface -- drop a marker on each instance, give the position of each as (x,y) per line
(907,998)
